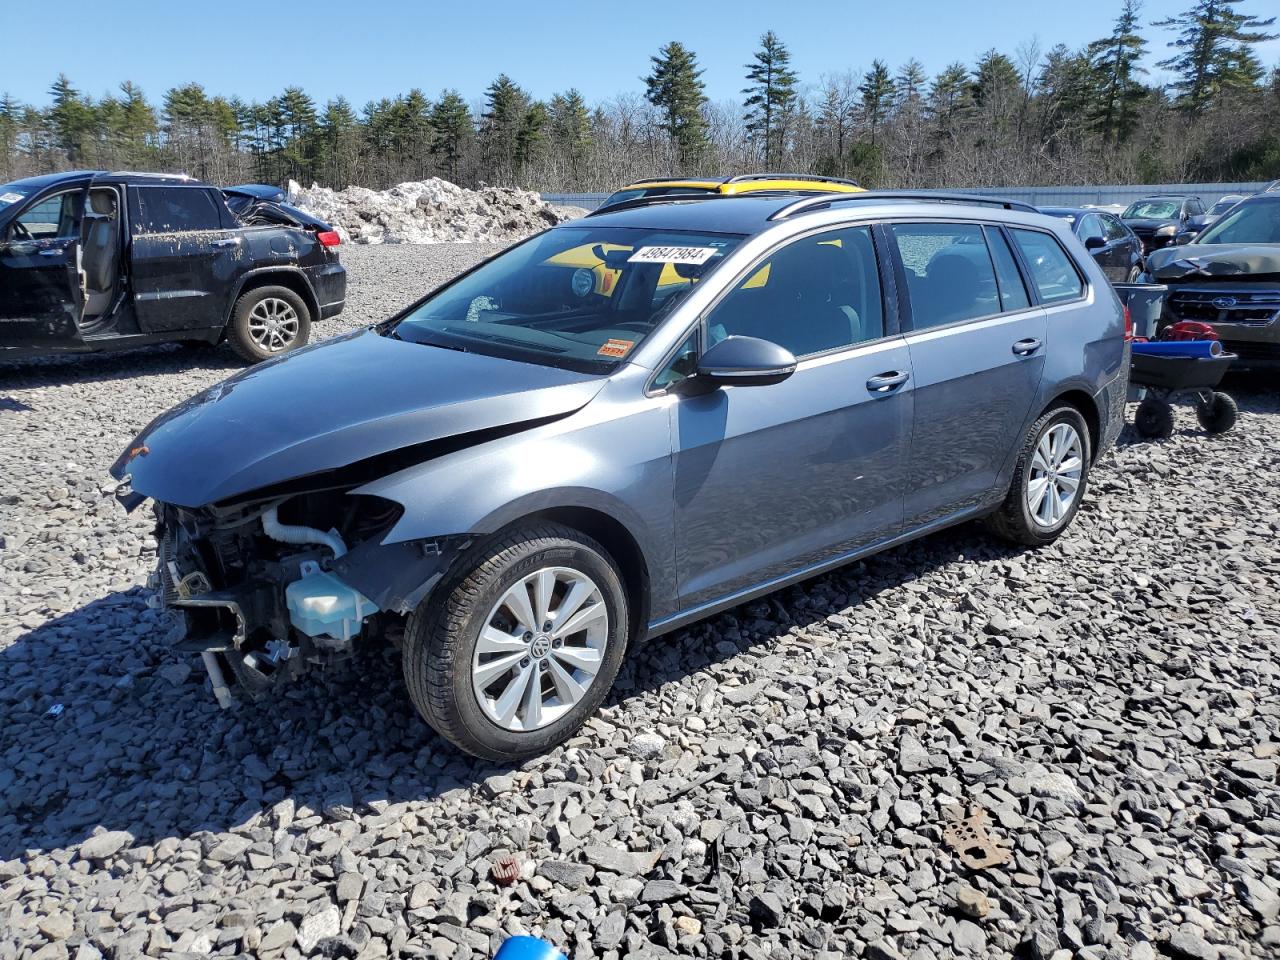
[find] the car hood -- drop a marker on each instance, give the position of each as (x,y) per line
(331,405)
(1138,223)
(1207,260)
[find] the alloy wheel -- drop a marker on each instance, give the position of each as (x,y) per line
(1054,478)
(273,324)
(540,648)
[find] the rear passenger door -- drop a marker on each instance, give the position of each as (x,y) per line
(977,345)
(184,257)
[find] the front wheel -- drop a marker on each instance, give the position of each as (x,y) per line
(267,322)
(1048,480)
(515,655)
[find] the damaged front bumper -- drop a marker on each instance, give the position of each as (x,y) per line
(265,600)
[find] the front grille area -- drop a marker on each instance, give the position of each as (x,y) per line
(1253,355)
(1223,305)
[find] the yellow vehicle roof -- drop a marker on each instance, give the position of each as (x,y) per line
(733,187)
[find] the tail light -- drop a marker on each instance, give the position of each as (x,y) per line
(1128,324)
(328,238)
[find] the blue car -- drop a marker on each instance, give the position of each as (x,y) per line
(621,426)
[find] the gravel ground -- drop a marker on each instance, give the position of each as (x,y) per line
(773,783)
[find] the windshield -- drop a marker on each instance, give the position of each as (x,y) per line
(10,194)
(579,297)
(622,196)
(1152,210)
(1250,221)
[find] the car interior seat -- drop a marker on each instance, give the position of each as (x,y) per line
(101,252)
(951,287)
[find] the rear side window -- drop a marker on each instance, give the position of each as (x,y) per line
(174,210)
(1052,270)
(1013,294)
(950,277)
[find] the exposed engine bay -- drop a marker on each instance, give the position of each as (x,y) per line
(270,588)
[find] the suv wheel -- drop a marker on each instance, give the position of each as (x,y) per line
(267,322)
(517,652)
(1048,481)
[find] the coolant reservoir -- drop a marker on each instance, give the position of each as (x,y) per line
(321,605)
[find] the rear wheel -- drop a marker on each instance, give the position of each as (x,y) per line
(1154,419)
(267,322)
(514,656)
(1219,414)
(1048,480)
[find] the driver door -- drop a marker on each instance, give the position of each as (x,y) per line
(41,300)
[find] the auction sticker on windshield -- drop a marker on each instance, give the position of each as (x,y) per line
(672,255)
(616,348)
(7,198)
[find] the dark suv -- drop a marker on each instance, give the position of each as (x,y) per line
(92,260)
(1158,220)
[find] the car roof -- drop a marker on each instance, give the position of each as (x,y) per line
(1069,211)
(753,214)
(1164,196)
(119,176)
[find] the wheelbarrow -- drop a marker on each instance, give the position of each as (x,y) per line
(1172,370)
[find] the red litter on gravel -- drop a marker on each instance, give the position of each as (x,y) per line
(505,871)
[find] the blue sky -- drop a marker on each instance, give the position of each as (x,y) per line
(375,48)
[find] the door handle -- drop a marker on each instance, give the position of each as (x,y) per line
(1025,348)
(228,242)
(887,382)
(52,252)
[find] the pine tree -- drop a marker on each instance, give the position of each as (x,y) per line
(10,125)
(570,124)
(675,87)
(339,143)
(531,138)
(771,98)
(506,107)
(1116,63)
(452,132)
(950,96)
(877,96)
(1213,52)
(909,85)
(71,119)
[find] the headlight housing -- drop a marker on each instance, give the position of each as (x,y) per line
(1168,230)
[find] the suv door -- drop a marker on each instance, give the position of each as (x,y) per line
(977,347)
(770,480)
(183,257)
(41,301)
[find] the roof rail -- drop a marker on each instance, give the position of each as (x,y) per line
(827,199)
(813,177)
(147,173)
(675,178)
(651,201)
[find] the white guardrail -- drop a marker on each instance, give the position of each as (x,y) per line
(1210,193)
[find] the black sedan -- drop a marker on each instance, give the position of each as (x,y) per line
(1116,248)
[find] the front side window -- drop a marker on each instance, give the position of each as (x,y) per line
(1052,270)
(815,294)
(53,217)
(1250,221)
(174,210)
(950,276)
(582,297)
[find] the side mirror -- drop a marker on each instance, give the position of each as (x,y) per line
(1094,243)
(1187,236)
(745,362)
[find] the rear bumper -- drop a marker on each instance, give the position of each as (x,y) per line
(1110,401)
(330,284)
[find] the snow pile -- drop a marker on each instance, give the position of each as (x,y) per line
(428,211)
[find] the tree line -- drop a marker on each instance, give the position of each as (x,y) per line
(1032,116)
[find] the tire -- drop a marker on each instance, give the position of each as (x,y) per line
(261,307)
(1154,419)
(1219,414)
(442,637)
(1061,431)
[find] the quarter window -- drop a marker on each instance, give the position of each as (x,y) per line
(1013,293)
(174,210)
(1052,270)
(815,294)
(680,366)
(950,277)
